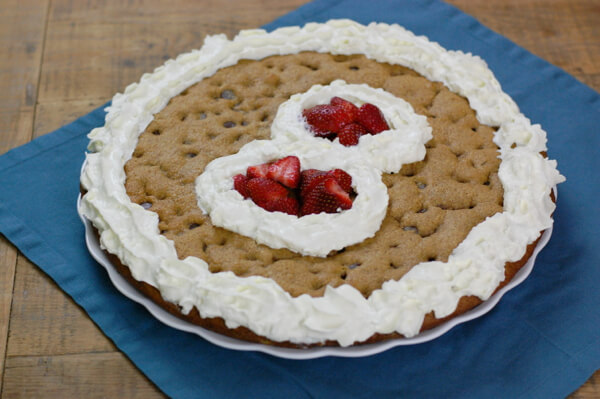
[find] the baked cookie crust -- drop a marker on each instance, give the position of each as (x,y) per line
(433,203)
(218,325)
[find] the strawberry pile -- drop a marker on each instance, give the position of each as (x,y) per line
(340,118)
(281,186)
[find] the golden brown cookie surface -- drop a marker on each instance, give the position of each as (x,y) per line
(433,203)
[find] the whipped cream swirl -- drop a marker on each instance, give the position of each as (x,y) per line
(387,151)
(319,234)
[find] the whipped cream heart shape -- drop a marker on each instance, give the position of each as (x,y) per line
(317,234)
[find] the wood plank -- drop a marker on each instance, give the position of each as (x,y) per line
(84,375)
(22,31)
(44,321)
(590,390)
(51,115)
(95,51)
(22,26)
(15,127)
(563,32)
(8,258)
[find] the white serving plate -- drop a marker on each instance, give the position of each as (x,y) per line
(290,353)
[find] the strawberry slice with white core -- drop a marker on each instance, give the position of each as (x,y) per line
(258,171)
(284,188)
(285,171)
(333,188)
(343,179)
(326,196)
(307,177)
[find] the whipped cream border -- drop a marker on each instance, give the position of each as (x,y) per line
(475,267)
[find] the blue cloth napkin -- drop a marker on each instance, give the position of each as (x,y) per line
(541,341)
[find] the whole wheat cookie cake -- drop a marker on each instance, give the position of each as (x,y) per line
(444,203)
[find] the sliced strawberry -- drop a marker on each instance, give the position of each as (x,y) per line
(343,179)
(327,196)
(286,171)
(350,134)
(307,176)
(333,188)
(287,205)
(349,108)
(325,118)
(307,192)
(239,183)
(371,118)
(311,183)
(264,192)
(258,171)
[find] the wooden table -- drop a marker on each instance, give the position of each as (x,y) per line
(60,59)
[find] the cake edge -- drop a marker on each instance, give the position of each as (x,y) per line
(218,325)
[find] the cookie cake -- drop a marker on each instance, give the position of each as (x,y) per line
(331,184)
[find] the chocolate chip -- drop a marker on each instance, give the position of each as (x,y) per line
(228,94)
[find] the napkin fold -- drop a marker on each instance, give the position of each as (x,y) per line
(542,340)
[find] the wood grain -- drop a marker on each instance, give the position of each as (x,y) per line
(22,25)
(130,39)
(85,375)
(21,44)
(51,115)
(63,58)
(37,302)
(564,32)
(8,258)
